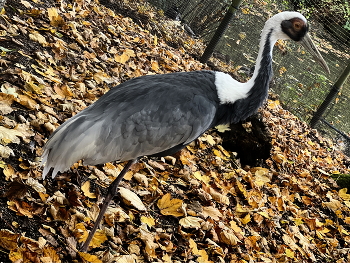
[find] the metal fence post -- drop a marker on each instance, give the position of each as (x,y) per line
(220,31)
(330,97)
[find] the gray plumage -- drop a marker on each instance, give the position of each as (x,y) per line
(143,116)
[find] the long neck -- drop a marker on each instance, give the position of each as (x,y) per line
(259,83)
(255,91)
(263,66)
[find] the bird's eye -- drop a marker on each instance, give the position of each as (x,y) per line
(297,26)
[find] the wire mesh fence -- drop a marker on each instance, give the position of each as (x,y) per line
(299,81)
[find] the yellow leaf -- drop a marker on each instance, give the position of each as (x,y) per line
(246,219)
(228,237)
(202,254)
(125,56)
(223,127)
(226,153)
(37,37)
(343,195)
(170,206)
(241,209)
(298,221)
(245,11)
(328,159)
(100,77)
(219,154)
(130,198)
(210,140)
(347,220)
(264,214)
(219,197)
(212,212)
(51,254)
(191,222)
(27,102)
(89,258)
(86,190)
(8,171)
(54,17)
(167,259)
(32,87)
(125,259)
(122,58)
(17,255)
(80,232)
(204,178)
(282,70)
(193,246)
(273,104)
(148,221)
(289,253)
(98,239)
(333,205)
(241,188)
(235,227)
(9,135)
(279,158)
(8,239)
(155,66)
(261,176)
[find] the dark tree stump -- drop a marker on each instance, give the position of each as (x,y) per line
(250,140)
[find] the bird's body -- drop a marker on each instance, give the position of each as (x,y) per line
(157,115)
(154,115)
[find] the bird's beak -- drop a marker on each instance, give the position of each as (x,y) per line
(307,43)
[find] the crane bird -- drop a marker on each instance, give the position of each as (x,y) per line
(158,115)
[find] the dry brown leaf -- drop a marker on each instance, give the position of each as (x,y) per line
(223,199)
(228,237)
(27,102)
(115,214)
(89,258)
(123,58)
(343,194)
(8,239)
(6,152)
(54,17)
(50,254)
(170,206)
(191,222)
(212,212)
(86,190)
(37,37)
(148,221)
(130,198)
(98,238)
(201,253)
(149,238)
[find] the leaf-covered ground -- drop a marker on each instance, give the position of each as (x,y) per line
(57,57)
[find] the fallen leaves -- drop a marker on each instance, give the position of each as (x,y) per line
(198,206)
(170,206)
(8,239)
(86,190)
(130,198)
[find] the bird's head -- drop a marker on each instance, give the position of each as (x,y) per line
(294,26)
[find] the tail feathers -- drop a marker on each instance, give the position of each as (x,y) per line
(57,167)
(70,143)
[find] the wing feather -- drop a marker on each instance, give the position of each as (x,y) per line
(143,116)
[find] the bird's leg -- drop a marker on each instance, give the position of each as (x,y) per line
(111,192)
